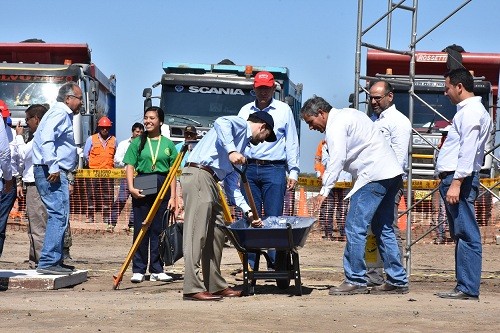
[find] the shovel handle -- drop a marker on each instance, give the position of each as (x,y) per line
(248,191)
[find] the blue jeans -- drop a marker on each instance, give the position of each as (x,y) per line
(465,231)
(373,203)
(268,185)
(120,202)
(55,197)
(6,204)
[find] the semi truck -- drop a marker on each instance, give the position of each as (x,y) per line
(433,110)
(31,72)
(197,94)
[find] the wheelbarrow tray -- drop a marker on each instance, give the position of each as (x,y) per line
(283,233)
(274,233)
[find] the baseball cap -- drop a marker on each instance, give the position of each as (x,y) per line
(190,129)
(263,79)
(268,119)
(5,109)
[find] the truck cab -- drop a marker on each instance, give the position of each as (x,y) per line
(197,94)
(33,72)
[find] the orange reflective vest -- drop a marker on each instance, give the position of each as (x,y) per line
(101,157)
(318,165)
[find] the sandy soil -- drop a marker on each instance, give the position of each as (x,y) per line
(154,306)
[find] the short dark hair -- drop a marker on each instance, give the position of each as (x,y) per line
(137,125)
(463,76)
(312,106)
(36,110)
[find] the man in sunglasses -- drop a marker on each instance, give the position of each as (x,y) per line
(396,129)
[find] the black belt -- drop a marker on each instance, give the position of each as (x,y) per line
(263,162)
(444,174)
(29,183)
(205,168)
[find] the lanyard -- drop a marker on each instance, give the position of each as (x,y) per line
(155,155)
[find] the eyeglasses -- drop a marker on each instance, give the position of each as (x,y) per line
(78,97)
(28,118)
(376,98)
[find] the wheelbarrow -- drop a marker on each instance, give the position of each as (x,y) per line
(286,234)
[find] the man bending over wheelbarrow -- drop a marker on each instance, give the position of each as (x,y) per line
(358,147)
(210,161)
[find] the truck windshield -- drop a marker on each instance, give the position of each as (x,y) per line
(207,102)
(23,94)
(423,117)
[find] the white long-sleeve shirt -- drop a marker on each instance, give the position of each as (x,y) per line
(25,151)
(286,147)
(463,149)
(358,147)
(121,149)
(396,129)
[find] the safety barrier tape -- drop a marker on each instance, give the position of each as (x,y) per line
(417,184)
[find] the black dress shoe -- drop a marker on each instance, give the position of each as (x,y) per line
(387,288)
(457,294)
(73,269)
(347,288)
(201,296)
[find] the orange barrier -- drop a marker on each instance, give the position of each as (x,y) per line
(403,219)
(302,211)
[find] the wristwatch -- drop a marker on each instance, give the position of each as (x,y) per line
(247,213)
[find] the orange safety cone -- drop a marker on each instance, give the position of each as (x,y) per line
(302,204)
(403,219)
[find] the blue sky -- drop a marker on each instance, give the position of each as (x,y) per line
(314,39)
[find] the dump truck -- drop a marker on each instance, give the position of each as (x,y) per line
(430,68)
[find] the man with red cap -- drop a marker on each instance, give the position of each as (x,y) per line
(270,163)
(99,153)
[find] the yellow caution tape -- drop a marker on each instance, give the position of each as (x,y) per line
(417,184)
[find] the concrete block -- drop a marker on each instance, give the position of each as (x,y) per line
(30,279)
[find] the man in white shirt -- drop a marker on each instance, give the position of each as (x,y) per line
(396,129)
(35,209)
(355,145)
(458,163)
(123,192)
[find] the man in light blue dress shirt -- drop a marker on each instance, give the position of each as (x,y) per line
(210,161)
(54,155)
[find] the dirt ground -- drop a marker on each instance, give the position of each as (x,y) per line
(94,306)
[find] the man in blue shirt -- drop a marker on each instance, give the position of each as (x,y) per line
(269,163)
(211,160)
(54,155)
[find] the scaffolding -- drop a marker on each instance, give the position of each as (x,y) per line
(411,52)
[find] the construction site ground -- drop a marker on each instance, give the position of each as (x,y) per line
(93,306)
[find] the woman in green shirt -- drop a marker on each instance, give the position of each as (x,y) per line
(150,153)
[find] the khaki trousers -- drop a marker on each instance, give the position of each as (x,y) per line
(202,240)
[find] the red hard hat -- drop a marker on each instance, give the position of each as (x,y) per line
(104,122)
(5,109)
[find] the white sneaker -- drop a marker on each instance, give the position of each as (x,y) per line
(137,278)
(160,277)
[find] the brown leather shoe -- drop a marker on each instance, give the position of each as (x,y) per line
(228,292)
(201,296)
(387,288)
(347,288)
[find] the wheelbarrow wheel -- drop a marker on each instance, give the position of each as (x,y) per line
(283,264)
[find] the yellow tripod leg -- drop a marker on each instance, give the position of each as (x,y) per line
(228,217)
(149,218)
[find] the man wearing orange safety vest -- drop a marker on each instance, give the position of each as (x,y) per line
(99,153)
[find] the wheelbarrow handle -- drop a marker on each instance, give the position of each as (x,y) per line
(248,191)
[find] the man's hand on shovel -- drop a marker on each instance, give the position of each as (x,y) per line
(253,215)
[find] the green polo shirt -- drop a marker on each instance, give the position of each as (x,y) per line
(143,162)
